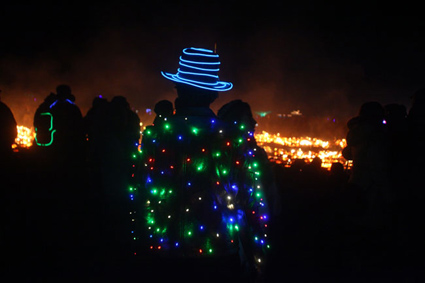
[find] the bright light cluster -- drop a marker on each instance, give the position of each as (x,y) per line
(25,136)
(202,185)
(286,149)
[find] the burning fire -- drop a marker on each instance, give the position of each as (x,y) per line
(24,138)
(286,149)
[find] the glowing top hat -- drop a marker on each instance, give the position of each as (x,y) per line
(199,68)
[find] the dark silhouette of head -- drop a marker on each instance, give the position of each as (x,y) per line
(99,102)
(316,163)
(190,96)
(238,111)
(164,108)
(337,168)
(64,92)
(120,100)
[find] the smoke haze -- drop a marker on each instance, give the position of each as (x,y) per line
(276,68)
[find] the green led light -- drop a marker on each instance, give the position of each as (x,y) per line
(50,130)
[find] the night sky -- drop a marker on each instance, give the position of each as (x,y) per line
(320,59)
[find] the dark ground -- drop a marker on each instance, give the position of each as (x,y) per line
(57,226)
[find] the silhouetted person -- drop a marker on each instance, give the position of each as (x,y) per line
(58,124)
(239,113)
(9,213)
(398,139)
(8,131)
(198,198)
(121,134)
(338,178)
(369,184)
(411,194)
(94,128)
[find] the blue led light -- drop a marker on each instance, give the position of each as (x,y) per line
(199,68)
(179,71)
(198,63)
(198,82)
(54,103)
(185,51)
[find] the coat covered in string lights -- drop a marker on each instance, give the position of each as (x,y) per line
(201,192)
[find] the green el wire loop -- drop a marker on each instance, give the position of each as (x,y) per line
(50,130)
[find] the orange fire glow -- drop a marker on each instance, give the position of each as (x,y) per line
(24,138)
(286,149)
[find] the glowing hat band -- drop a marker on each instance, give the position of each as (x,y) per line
(199,68)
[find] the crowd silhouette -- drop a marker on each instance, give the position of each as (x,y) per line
(65,205)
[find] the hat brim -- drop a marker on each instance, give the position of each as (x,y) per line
(218,86)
